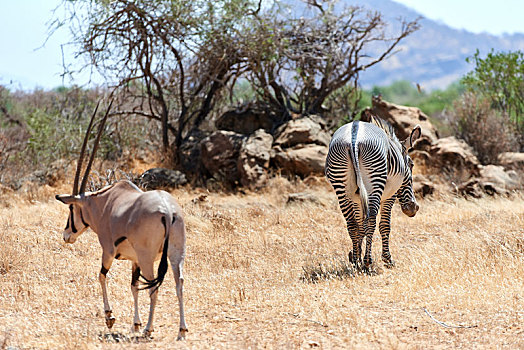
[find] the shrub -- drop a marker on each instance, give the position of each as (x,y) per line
(483,128)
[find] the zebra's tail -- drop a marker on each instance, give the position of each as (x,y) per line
(356,165)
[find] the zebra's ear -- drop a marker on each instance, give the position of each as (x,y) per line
(410,141)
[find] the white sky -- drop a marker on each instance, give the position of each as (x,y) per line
(25,64)
(491,16)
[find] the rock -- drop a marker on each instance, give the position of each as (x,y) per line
(253,160)
(477,188)
(306,130)
(512,160)
(454,156)
(157,178)
(422,186)
(190,153)
(493,179)
(508,180)
(246,121)
(219,155)
(403,119)
(302,160)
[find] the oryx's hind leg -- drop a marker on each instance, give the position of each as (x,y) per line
(134,289)
(107,261)
(146,267)
(177,262)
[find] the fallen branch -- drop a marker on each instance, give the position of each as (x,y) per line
(444,324)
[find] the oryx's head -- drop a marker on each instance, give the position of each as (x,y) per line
(405,194)
(76,223)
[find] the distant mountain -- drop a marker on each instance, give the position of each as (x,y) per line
(434,56)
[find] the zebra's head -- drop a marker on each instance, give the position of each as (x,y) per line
(405,194)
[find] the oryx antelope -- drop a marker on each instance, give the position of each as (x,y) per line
(131,225)
(369,168)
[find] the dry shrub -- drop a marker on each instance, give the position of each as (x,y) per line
(488,131)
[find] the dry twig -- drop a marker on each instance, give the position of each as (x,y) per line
(445,324)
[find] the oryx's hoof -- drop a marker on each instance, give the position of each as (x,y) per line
(110,321)
(182,334)
(136,327)
(148,332)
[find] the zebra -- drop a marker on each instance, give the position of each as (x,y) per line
(369,168)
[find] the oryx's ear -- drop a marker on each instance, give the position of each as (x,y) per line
(67,198)
(410,141)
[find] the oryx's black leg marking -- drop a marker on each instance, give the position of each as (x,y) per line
(103,270)
(117,256)
(135,276)
(120,240)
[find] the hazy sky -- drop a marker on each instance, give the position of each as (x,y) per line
(25,64)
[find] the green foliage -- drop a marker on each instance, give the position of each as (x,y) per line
(405,93)
(499,77)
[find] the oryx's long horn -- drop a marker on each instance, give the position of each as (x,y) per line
(95,147)
(82,151)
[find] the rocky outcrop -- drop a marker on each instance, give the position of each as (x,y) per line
(246,121)
(493,179)
(305,130)
(512,160)
(158,178)
(403,119)
(219,155)
(302,160)
(422,186)
(455,156)
(253,160)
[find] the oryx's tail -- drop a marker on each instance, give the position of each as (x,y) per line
(162,267)
(353,151)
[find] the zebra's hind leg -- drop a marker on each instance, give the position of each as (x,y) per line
(355,255)
(385,228)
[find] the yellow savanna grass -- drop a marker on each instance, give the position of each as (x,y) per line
(248,276)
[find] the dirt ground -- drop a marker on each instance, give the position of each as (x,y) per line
(264,273)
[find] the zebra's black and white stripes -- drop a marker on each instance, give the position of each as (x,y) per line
(369,168)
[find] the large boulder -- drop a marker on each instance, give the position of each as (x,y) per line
(253,160)
(493,179)
(219,155)
(422,186)
(512,160)
(455,156)
(403,119)
(508,180)
(306,130)
(302,160)
(247,120)
(156,178)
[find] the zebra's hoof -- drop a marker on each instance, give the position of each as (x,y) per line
(389,264)
(353,259)
(136,327)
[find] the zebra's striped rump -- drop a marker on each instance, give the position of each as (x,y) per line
(369,168)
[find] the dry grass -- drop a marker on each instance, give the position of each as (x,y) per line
(248,271)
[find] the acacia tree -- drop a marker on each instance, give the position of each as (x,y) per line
(296,62)
(170,59)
